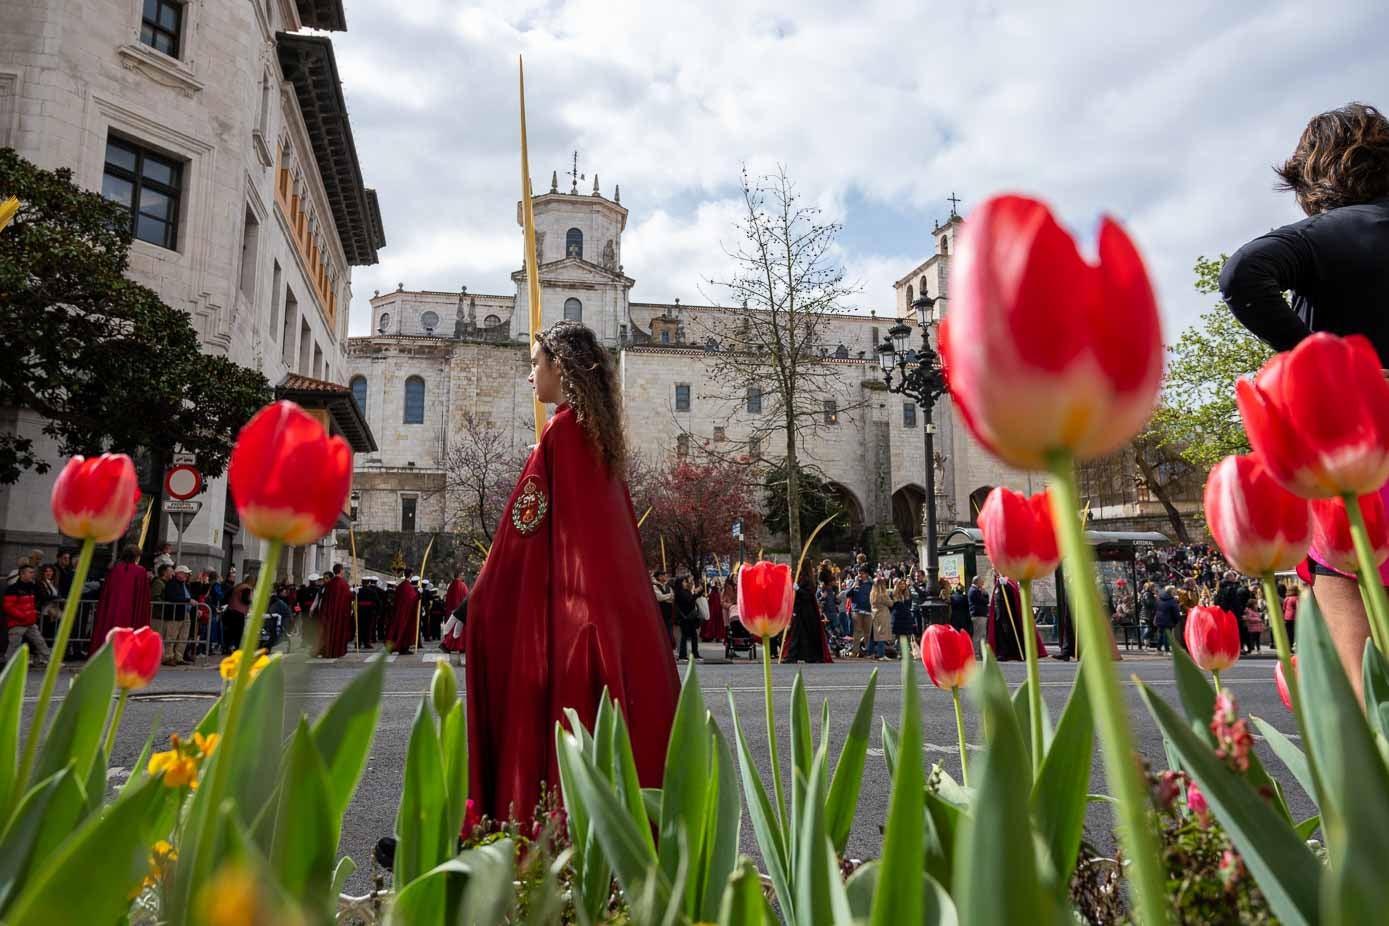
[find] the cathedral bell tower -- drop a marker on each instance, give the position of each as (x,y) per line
(578,241)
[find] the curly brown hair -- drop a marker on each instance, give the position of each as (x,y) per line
(588,379)
(1341,159)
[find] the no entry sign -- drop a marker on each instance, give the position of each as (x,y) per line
(183,482)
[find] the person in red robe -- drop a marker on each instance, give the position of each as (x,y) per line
(713,630)
(124,600)
(405,617)
(563,608)
(455,593)
(1005,623)
(335,616)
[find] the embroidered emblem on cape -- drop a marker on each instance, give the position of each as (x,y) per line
(529,508)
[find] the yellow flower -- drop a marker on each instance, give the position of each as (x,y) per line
(230,898)
(232,664)
(206,744)
(178,767)
(7,210)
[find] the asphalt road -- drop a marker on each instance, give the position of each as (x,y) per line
(179,697)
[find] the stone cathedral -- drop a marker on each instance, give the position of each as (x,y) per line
(435,356)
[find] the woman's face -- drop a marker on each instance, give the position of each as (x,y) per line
(544,378)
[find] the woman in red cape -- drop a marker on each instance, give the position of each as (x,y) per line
(563,607)
(124,600)
(335,616)
(405,617)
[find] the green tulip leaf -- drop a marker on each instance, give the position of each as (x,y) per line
(46,815)
(686,782)
(11,701)
(723,826)
(1375,672)
(1293,758)
(1059,796)
(898,899)
(422,833)
(766,824)
(305,843)
(75,737)
(848,770)
(344,732)
(743,902)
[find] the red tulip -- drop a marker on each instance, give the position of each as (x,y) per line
(288,477)
(137,653)
(1212,638)
(1318,415)
(765,594)
(1281,682)
(1260,526)
(948,655)
(1044,351)
(95,498)
(1331,541)
(1196,803)
(1018,534)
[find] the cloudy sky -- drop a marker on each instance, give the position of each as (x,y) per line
(1166,115)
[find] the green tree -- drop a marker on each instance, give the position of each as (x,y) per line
(818,500)
(101,358)
(1197,415)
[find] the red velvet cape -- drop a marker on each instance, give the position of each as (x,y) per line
(713,630)
(562,609)
(124,602)
(453,597)
(400,635)
(335,618)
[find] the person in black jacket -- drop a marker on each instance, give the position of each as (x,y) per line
(1166,617)
(687,614)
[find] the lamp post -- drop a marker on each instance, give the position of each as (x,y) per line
(920,377)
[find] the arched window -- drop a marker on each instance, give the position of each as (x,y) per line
(573,243)
(414,400)
(491,321)
(573,310)
(944,245)
(384,322)
(910,297)
(429,321)
(359,392)
(923,286)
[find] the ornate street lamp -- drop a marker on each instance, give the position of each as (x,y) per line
(920,377)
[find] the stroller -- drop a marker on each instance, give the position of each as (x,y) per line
(738,640)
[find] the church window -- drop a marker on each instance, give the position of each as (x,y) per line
(160,25)
(831,412)
(429,321)
(922,290)
(910,298)
(945,246)
(491,321)
(408,505)
(622,333)
(909,414)
(665,337)
(414,400)
(754,400)
(573,310)
(383,323)
(682,446)
(875,336)
(359,392)
(682,397)
(574,243)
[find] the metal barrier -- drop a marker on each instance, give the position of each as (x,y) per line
(197,619)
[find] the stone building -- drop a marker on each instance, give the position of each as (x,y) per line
(435,356)
(224,127)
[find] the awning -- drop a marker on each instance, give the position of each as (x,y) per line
(337,401)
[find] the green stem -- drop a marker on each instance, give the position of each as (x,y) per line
(115,722)
(771,732)
(1034,676)
(55,662)
(1280,640)
(960,729)
(1216,675)
(1116,739)
(1369,573)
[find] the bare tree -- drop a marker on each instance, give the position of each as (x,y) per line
(772,335)
(480,470)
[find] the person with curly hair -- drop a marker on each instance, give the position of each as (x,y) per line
(562,608)
(1335,263)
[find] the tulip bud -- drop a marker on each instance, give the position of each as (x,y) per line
(1318,416)
(765,595)
(288,477)
(1331,541)
(443,691)
(1045,352)
(1261,527)
(1212,638)
(1196,803)
(137,654)
(1280,681)
(948,655)
(94,499)
(1018,534)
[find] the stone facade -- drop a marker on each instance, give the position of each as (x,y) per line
(874,454)
(260,262)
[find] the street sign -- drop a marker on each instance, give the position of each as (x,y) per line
(738,528)
(185,459)
(175,506)
(183,482)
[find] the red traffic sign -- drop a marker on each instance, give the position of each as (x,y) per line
(183,482)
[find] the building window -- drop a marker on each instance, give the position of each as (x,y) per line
(383,323)
(665,337)
(359,392)
(875,336)
(909,296)
(908,414)
(755,448)
(407,514)
(250,243)
(574,243)
(276,279)
(429,321)
(831,412)
(573,310)
(754,400)
(720,435)
(161,24)
(622,333)
(291,320)
(414,400)
(148,185)
(682,446)
(922,290)
(305,347)
(491,321)
(682,397)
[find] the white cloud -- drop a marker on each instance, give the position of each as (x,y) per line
(1166,115)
